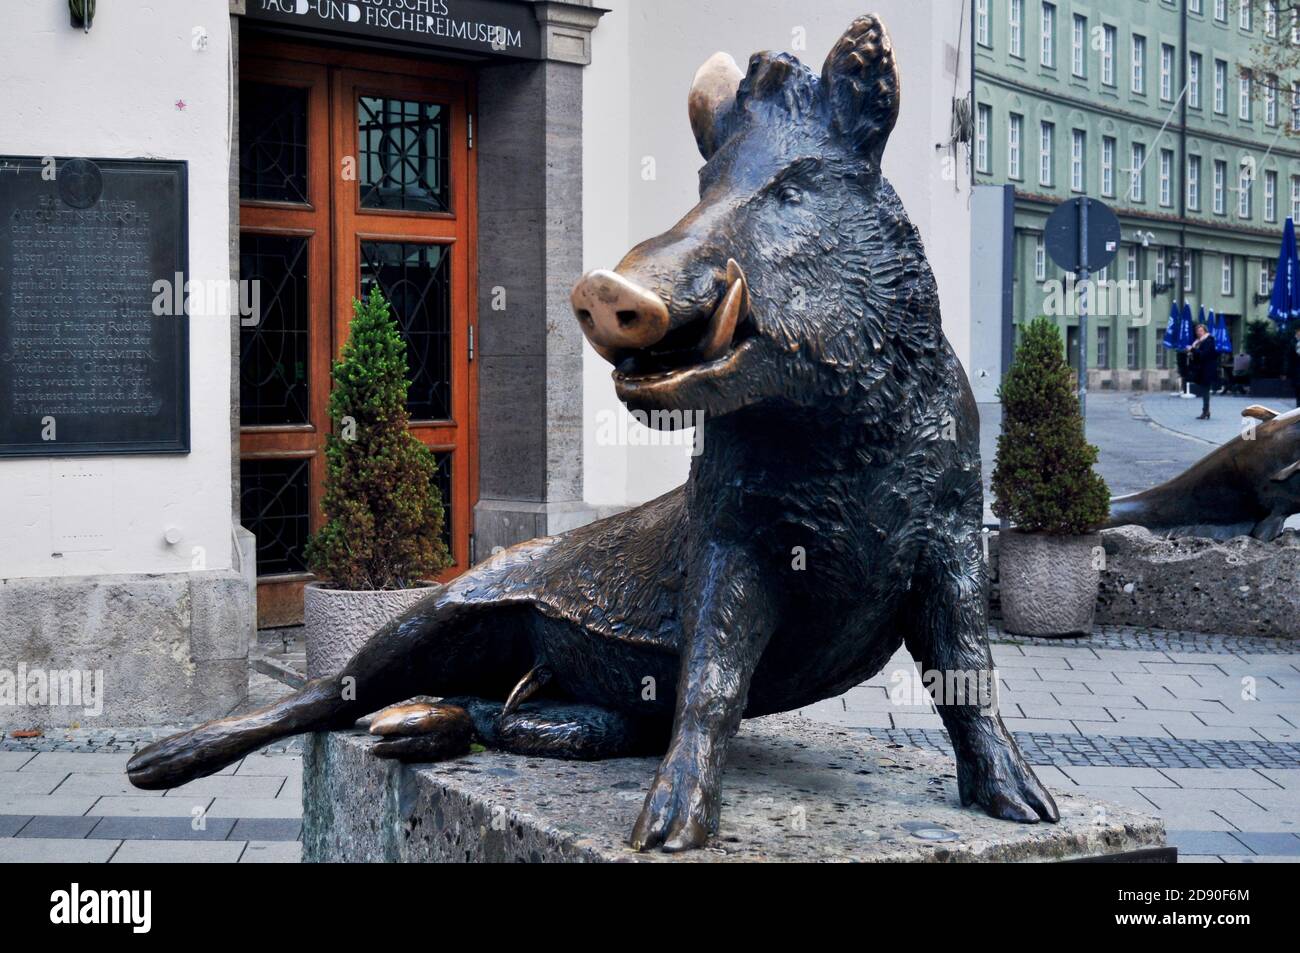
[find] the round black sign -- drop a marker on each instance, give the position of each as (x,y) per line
(80,183)
(1063,234)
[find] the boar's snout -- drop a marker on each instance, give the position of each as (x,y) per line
(617,314)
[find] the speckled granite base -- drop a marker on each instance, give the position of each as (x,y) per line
(793,791)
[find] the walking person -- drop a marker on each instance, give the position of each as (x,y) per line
(1203,364)
(1293,362)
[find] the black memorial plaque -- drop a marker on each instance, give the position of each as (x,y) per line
(94,354)
(489,27)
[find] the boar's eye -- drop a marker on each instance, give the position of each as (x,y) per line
(790,195)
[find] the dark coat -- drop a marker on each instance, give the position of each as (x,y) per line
(1204,362)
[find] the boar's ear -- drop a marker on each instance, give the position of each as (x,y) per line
(860,85)
(711,97)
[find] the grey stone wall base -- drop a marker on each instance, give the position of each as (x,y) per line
(792,790)
(1235,587)
(173,647)
(499,524)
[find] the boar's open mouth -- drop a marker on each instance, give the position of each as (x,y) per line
(697,342)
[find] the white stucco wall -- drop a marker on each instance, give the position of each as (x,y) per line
(113,93)
(645,53)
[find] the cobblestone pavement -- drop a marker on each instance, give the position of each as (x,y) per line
(1201,730)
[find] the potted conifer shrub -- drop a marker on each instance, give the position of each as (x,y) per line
(382,539)
(1043,482)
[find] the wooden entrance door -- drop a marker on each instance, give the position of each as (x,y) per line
(355,175)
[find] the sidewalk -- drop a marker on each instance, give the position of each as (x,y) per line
(1201,730)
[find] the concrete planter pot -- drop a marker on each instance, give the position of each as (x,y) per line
(1049,583)
(339,621)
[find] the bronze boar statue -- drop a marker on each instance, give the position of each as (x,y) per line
(1250,486)
(834,513)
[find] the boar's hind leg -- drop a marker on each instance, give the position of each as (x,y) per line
(946,632)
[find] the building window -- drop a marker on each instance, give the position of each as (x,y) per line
(1295,26)
(1225,276)
(1046,133)
(1295,198)
(1189,272)
(1244,187)
(1220,187)
(1166,72)
(1047,55)
(1108,55)
(1221,10)
(1078,149)
(1134,349)
(983,119)
(1015,126)
(1220,87)
(1131,264)
(982,22)
(1139,84)
(1270,196)
(1166,177)
(1137,174)
(1108,166)
(1270,100)
(1040,259)
(1194,6)
(1015,17)
(1194,80)
(1245,14)
(1270,18)
(1243,97)
(1194,183)
(1265,279)
(1103,348)
(1160,266)
(1079,46)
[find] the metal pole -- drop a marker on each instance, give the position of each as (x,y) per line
(1083,307)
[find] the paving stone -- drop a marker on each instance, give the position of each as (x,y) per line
(41,850)
(1090,776)
(1071,675)
(1066,712)
(1238,779)
(28,782)
(149,806)
(1279,734)
(904,719)
(1107,665)
(241,807)
(178,852)
(1201,672)
(267,829)
(1261,860)
(56,826)
(46,804)
(1129,728)
(13,760)
(1287,779)
(1172,682)
(276,765)
(1159,701)
(128,827)
(232,786)
(1249,718)
(78,763)
(1205,842)
(11,824)
(1208,733)
(1270,843)
(1198,858)
(276,852)
(1045,725)
(102,785)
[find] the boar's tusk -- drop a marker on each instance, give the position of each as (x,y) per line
(722,326)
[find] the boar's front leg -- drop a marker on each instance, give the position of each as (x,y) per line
(727,622)
(946,632)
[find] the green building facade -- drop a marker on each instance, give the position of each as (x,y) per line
(1150,106)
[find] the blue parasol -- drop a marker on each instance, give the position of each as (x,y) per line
(1284,304)
(1222,339)
(1185,335)
(1170,339)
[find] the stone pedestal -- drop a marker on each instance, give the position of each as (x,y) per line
(1234,587)
(793,791)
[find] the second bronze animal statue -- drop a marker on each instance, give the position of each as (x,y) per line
(834,513)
